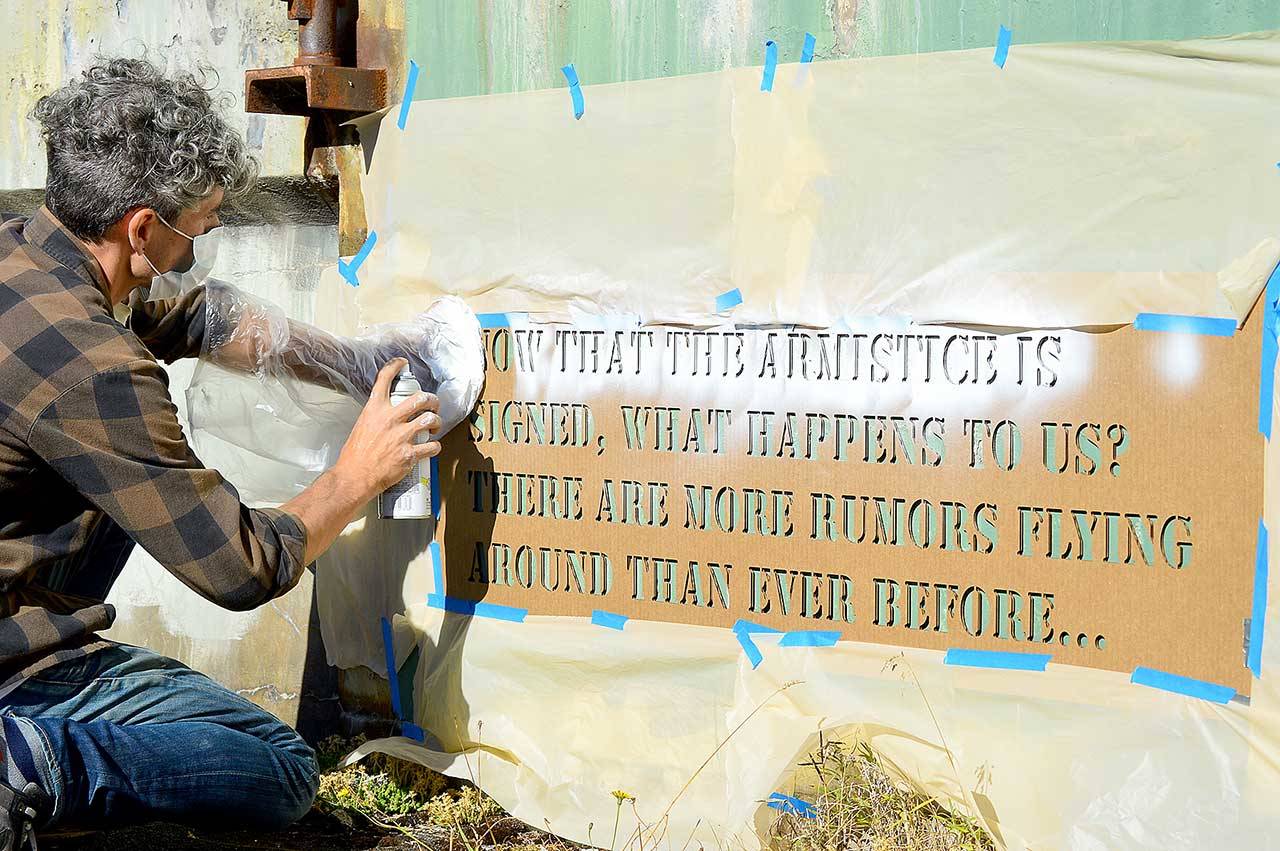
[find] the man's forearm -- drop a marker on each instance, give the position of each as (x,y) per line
(256,337)
(325,508)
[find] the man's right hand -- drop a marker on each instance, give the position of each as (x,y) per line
(381,448)
(380,452)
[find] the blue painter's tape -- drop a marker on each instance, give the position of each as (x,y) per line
(788,804)
(770,65)
(435,487)
(748,628)
(728,300)
(1259,615)
(749,648)
(493,320)
(497,612)
(349,270)
(996,659)
(809,638)
(393,677)
(410,82)
(413,731)
(575,90)
(608,619)
(477,608)
(437,568)
(806,54)
(1002,45)
(438,600)
(1266,381)
(1182,685)
(1213,326)
(744,630)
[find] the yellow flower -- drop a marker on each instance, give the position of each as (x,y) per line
(622,796)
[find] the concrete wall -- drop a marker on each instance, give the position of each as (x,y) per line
(492,46)
(46,42)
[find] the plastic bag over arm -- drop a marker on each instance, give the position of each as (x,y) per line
(442,344)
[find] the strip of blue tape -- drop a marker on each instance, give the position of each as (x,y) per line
(413,731)
(770,65)
(1182,685)
(749,648)
(810,43)
(608,619)
(1258,617)
(1002,45)
(435,487)
(437,568)
(575,90)
(477,608)
(350,270)
(388,645)
(1266,382)
(410,82)
(1212,326)
(493,320)
(728,300)
(744,630)
(788,804)
(1006,660)
(809,638)
(749,627)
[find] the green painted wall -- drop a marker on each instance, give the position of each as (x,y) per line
(470,47)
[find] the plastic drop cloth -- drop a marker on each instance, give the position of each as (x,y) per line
(1078,186)
(292,422)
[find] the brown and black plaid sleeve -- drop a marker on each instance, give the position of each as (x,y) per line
(93,459)
(171,328)
(115,436)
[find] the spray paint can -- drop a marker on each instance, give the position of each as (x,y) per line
(409,498)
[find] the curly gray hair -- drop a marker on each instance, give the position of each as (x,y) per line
(124,136)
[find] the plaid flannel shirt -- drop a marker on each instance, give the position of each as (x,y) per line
(93,459)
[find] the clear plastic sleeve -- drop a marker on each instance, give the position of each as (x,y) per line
(310,384)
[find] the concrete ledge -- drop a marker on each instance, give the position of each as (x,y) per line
(288,200)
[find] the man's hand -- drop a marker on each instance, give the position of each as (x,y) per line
(382,447)
(380,451)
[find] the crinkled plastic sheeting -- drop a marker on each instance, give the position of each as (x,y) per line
(1077,186)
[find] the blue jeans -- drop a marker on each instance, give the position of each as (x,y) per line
(132,736)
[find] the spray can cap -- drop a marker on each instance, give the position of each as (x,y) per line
(406,381)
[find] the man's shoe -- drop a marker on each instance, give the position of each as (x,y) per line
(19,811)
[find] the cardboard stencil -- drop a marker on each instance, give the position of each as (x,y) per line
(1091,495)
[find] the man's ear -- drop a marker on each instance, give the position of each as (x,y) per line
(139,225)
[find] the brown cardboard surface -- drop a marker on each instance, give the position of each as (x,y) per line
(1192,462)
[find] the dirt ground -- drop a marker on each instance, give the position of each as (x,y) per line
(317,831)
(387,804)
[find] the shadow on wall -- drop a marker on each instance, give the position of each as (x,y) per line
(375,560)
(442,664)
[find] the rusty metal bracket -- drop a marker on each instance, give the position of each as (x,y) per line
(327,85)
(325,79)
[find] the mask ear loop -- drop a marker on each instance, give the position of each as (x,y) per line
(172,228)
(154,270)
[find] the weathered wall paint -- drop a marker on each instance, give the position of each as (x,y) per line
(46,42)
(488,46)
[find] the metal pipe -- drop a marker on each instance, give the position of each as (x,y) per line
(326,31)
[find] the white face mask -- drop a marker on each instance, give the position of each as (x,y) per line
(175,282)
